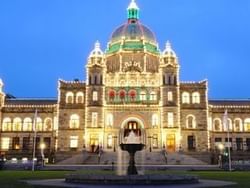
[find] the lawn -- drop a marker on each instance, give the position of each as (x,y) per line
(9,179)
(242,178)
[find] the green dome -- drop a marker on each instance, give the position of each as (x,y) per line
(133,30)
(133,35)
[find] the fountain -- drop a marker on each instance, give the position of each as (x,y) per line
(132,145)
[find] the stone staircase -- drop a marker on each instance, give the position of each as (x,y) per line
(141,158)
(182,159)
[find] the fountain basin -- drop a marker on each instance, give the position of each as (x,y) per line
(154,179)
(132,148)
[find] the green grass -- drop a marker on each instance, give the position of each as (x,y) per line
(241,178)
(10,179)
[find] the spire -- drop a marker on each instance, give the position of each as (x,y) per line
(97,45)
(133,10)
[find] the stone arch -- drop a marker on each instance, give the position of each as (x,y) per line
(141,126)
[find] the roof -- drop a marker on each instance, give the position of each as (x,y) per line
(132,31)
(229,102)
(31,101)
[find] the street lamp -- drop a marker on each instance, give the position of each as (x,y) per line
(42,147)
(150,148)
(221,148)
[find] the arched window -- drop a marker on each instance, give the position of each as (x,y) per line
(143,96)
(196,98)
(217,125)
(229,124)
(95,96)
(111,95)
(110,120)
(6,124)
(74,121)
(122,94)
(247,124)
(238,125)
(155,120)
(27,124)
(17,124)
(132,95)
(190,122)
(39,124)
(70,97)
(153,96)
(79,97)
(48,124)
(185,98)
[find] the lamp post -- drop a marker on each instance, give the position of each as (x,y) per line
(42,147)
(149,139)
(221,148)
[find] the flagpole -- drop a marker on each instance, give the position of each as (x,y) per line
(34,141)
(228,146)
(229,152)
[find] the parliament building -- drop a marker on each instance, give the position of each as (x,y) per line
(131,85)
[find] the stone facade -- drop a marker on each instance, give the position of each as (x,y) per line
(132,86)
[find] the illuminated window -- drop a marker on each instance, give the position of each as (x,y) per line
(48,124)
(6,124)
(196,98)
(17,124)
(155,120)
(15,143)
(185,98)
(132,95)
(143,96)
(5,143)
(110,120)
(39,124)
(94,119)
(190,122)
(27,124)
(217,125)
(122,94)
(228,124)
(74,121)
(109,141)
(170,119)
(79,97)
(153,96)
(247,124)
(238,125)
(95,96)
(70,97)
(170,96)
(73,141)
(111,95)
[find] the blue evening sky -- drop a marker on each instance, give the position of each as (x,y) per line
(44,40)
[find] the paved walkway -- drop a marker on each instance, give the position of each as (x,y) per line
(62,183)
